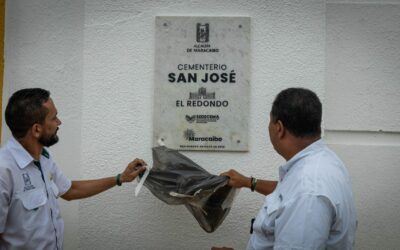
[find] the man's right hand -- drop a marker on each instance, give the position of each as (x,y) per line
(237,180)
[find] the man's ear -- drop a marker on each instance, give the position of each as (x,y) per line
(36,130)
(280,129)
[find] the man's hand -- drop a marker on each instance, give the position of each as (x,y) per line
(222,248)
(236,179)
(133,169)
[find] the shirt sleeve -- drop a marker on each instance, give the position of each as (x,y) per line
(62,182)
(4,198)
(304,223)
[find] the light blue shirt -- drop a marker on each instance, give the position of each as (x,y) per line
(312,206)
(29,214)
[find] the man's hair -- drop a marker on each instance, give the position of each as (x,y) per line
(299,110)
(25,108)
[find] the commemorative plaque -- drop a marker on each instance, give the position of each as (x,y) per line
(202,83)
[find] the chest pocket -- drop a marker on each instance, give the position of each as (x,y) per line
(273,208)
(274,203)
(33,199)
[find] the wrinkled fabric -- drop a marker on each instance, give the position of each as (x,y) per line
(177,180)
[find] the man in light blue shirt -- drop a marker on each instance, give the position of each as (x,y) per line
(30,181)
(312,205)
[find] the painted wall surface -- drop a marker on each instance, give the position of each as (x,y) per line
(362,111)
(362,118)
(97,59)
(363,57)
(2,17)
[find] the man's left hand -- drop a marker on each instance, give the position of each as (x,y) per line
(133,169)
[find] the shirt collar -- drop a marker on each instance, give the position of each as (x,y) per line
(21,156)
(313,147)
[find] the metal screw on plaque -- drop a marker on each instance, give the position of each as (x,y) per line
(165,24)
(238,141)
(162,139)
(240,26)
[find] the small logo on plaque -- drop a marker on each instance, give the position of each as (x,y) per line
(201,118)
(188,134)
(202,93)
(190,119)
(203,33)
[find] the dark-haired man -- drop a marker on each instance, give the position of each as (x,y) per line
(311,206)
(30,181)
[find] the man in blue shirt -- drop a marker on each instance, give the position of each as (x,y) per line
(30,181)
(312,205)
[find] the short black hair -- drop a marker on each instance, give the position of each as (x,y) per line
(299,110)
(25,108)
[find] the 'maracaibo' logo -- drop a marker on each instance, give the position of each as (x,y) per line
(203,33)
(27,182)
(190,136)
(201,118)
(188,133)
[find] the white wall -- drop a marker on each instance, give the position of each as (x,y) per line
(362,112)
(97,59)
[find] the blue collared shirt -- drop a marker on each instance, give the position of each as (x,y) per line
(29,214)
(312,206)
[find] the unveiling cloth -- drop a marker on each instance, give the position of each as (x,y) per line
(177,180)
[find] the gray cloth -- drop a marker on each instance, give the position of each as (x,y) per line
(176,180)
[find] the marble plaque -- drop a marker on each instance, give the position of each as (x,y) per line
(202,83)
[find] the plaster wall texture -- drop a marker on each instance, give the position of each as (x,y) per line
(363,57)
(362,111)
(97,58)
